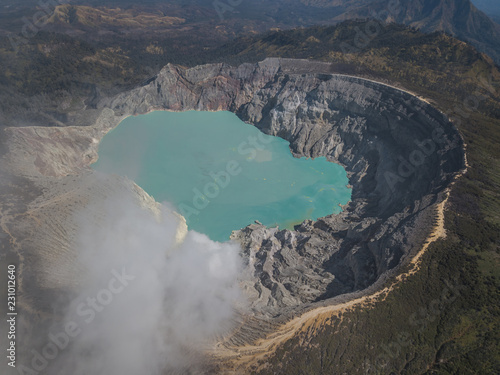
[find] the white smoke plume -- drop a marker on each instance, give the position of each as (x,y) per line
(150,297)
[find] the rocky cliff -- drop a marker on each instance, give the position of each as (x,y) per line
(400,154)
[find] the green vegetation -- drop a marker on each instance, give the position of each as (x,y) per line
(425,63)
(424,326)
(442,320)
(445,319)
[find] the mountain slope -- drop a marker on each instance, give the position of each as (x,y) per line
(490,7)
(213,23)
(398,54)
(459,18)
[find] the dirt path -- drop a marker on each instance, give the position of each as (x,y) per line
(238,359)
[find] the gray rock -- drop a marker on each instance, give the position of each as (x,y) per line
(400,154)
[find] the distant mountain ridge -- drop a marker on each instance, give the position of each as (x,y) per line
(459,18)
(490,7)
(210,23)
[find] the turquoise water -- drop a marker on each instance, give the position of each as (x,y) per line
(221,173)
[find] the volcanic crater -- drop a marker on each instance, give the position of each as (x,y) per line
(400,153)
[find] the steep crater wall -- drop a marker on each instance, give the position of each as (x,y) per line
(400,153)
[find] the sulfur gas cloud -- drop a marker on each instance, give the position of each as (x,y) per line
(150,295)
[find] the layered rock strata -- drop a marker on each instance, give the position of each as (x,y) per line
(400,154)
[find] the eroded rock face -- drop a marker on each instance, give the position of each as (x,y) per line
(400,154)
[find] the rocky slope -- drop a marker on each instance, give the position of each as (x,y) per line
(459,18)
(400,154)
